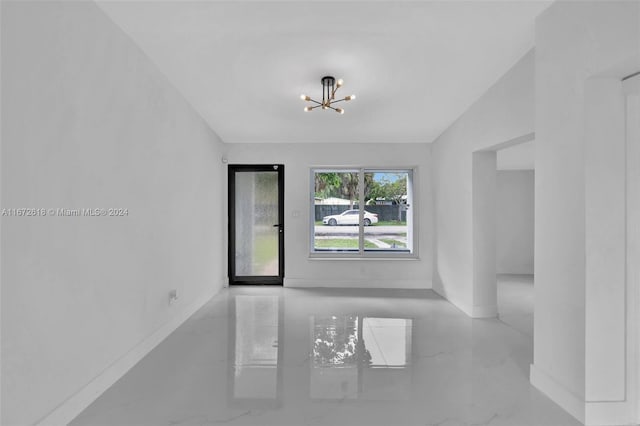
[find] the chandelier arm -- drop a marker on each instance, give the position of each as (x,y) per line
(339,100)
(314,107)
(314,101)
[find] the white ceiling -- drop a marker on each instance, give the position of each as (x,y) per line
(414,66)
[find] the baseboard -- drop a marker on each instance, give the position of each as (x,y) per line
(558,393)
(487,311)
(75,404)
(362,283)
(464,307)
(609,414)
(477,312)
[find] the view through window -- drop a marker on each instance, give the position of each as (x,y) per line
(385,224)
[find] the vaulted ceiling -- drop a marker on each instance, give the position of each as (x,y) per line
(415,66)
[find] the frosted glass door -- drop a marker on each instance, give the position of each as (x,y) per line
(257,225)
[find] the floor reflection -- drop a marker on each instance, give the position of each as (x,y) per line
(352,356)
(268,356)
(357,357)
(256,353)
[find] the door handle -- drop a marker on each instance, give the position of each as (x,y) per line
(279,226)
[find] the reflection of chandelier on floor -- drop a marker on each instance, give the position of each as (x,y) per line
(329,89)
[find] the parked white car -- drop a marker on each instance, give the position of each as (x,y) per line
(350,217)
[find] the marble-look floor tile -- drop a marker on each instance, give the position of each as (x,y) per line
(274,356)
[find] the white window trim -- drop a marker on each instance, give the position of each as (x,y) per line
(362,254)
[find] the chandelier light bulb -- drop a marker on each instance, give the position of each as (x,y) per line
(307,109)
(349,98)
(305,97)
(339,83)
(339,110)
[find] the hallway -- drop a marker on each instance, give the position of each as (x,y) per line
(274,356)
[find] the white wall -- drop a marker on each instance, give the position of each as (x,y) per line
(300,271)
(583,49)
(89,122)
(518,157)
(514,221)
(502,114)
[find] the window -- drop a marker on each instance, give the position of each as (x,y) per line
(385,224)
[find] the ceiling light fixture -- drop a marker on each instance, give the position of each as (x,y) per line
(329,88)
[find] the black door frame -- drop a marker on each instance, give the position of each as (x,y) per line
(256,280)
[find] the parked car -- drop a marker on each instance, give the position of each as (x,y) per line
(350,217)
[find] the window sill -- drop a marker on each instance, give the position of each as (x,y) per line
(359,257)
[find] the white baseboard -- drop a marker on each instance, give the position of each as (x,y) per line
(609,414)
(591,413)
(489,311)
(423,284)
(76,403)
(464,307)
(558,393)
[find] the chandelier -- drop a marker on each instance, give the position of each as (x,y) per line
(329,88)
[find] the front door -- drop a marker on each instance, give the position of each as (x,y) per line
(256,224)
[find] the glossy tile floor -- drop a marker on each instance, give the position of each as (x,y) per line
(273,356)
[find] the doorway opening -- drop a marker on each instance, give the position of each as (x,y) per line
(515,208)
(503,232)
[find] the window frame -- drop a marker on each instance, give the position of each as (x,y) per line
(361,252)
